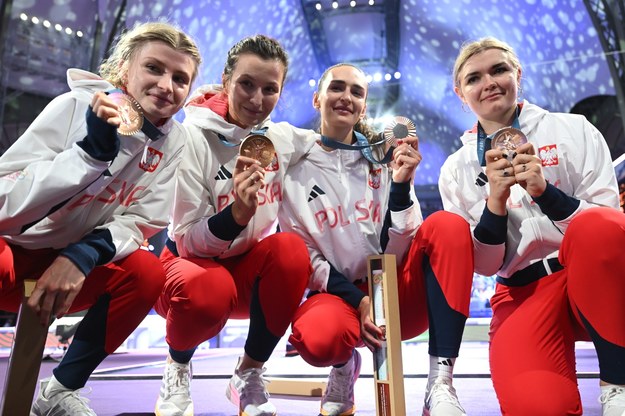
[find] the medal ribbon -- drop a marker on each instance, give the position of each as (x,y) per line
(484,141)
(261,131)
(362,144)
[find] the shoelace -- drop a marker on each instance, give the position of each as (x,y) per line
(616,395)
(255,384)
(340,386)
(77,403)
(443,392)
(178,380)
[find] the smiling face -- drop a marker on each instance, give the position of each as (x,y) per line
(488,84)
(341,100)
(253,89)
(159,79)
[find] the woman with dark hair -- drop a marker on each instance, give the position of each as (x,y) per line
(223,259)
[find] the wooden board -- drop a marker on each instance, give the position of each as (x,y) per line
(388,371)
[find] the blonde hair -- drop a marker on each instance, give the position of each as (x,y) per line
(470,49)
(115,67)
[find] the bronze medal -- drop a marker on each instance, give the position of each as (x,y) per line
(508,139)
(259,147)
(399,128)
(130,113)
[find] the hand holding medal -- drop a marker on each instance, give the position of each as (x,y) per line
(255,153)
(507,140)
(400,134)
(129,113)
(119,110)
(258,147)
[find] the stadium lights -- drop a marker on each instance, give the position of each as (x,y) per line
(47,24)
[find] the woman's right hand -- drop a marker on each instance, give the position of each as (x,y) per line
(500,173)
(406,158)
(105,108)
(248,178)
(369,332)
(56,290)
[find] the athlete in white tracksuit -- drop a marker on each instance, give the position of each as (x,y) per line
(203,230)
(124,193)
(79,199)
(217,269)
(545,219)
(347,208)
(576,163)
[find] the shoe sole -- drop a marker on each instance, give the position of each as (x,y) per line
(187,412)
(350,413)
(233,396)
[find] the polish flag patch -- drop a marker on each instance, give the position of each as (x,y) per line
(151,159)
(374,178)
(548,155)
(273,166)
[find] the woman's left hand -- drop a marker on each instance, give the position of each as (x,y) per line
(528,170)
(406,158)
(369,332)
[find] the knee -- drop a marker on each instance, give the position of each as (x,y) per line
(289,254)
(321,354)
(203,297)
(322,348)
(597,224)
(288,245)
(448,229)
(146,273)
(539,393)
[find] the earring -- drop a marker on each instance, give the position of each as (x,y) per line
(465,108)
(520,93)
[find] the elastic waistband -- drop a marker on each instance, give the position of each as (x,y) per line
(532,273)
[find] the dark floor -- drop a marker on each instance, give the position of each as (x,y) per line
(128,383)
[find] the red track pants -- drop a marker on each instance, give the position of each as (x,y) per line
(534,327)
(201,294)
(133,283)
(326,329)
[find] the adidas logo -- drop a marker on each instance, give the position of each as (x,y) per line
(446,362)
(315,192)
(223,174)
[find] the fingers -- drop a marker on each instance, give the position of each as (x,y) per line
(406,153)
(371,335)
(42,303)
(412,141)
(244,163)
(257,176)
(526,149)
(248,173)
(62,307)
(105,108)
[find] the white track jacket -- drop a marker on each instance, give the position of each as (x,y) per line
(575,159)
(337,204)
(205,186)
(129,197)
